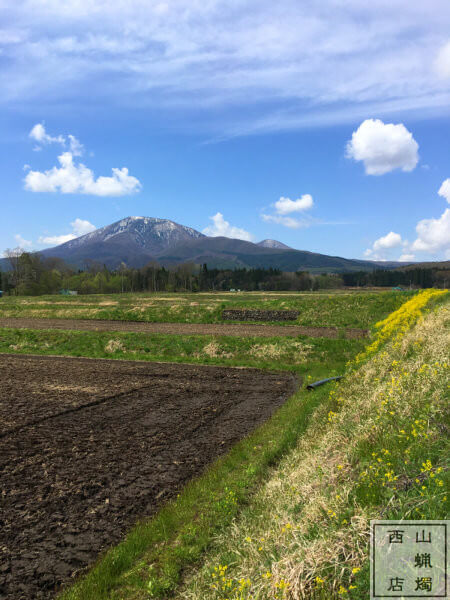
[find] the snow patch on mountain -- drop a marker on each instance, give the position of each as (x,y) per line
(274,244)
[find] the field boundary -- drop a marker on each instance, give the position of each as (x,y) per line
(228,329)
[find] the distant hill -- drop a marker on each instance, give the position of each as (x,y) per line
(137,241)
(441,265)
(223,253)
(273,244)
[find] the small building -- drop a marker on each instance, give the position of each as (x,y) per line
(1,293)
(68,292)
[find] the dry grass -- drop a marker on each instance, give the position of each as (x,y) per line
(266,351)
(114,346)
(214,350)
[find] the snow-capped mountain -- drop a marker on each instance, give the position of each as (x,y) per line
(133,240)
(147,232)
(136,241)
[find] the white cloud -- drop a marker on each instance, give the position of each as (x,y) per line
(220,227)
(285,221)
(22,242)
(79,227)
(284,206)
(383,147)
(71,178)
(391,240)
(442,62)
(433,235)
(383,244)
(186,53)
(444,190)
(56,240)
(76,147)
(38,134)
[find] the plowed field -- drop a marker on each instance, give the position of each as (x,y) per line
(88,447)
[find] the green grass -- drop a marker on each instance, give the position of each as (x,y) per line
(321,309)
(302,354)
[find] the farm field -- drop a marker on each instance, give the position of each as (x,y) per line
(239,330)
(88,447)
(350,309)
(116,441)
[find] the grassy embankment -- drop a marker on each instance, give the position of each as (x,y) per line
(321,309)
(377,447)
(327,462)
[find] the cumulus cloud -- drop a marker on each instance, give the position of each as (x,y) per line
(442,62)
(39,134)
(284,206)
(433,235)
(383,147)
(79,227)
(220,227)
(406,258)
(391,240)
(444,190)
(71,178)
(23,243)
(382,244)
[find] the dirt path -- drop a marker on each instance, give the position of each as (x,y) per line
(238,330)
(88,447)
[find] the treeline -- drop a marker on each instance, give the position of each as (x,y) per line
(416,278)
(31,274)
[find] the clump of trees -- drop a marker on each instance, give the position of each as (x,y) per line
(31,274)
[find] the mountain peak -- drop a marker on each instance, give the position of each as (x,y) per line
(134,240)
(273,244)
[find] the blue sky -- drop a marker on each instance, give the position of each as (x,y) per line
(323,125)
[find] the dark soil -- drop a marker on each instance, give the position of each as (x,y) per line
(234,314)
(240,330)
(88,447)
